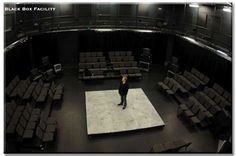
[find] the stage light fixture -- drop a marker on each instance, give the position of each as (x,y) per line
(227,9)
(193,5)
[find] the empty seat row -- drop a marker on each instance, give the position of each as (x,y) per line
(196,82)
(195,112)
(184,82)
(218,99)
(46,132)
(131,72)
(56,92)
(120,53)
(207,103)
(91,54)
(171,86)
(92,59)
(201,77)
(95,74)
(124,64)
(40,92)
(12,85)
(92,65)
(20,89)
(221,91)
(22,114)
(121,58)
(27,124)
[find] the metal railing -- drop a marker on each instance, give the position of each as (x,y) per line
(132,22)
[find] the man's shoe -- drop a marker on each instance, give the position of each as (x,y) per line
(119,104)
(124,107)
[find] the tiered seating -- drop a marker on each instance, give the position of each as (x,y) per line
(217,94)
(26,116)
(198,76)
(123,61)
(186,83)
(56,92)
(27,124)
(195,112)
(183,82)
(46,132)
(40,92)
(11,87)
(94,62)
(205,105)
(169,86)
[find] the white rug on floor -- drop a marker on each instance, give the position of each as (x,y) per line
(105,116)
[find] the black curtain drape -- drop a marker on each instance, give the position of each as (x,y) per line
(217,68)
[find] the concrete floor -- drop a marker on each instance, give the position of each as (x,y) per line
(71,115)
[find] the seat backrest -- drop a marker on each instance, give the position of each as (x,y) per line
(201,115)
(42,125)
(134,64)
(34,71)
(131,71)
(207,105)
(28,108)
(190,103)
(213,110)
(211,93)
(195,109)
(171,83)
(226,94)
(206,79)
(218,99)
(131,58)
(201,76)
(137,70)
(218,88)
(23,122)
(166,80)
(39,133)
(123,71)
(202,99)
(129,53)
(19,130)
(26,115)
(34,95)
(82,55)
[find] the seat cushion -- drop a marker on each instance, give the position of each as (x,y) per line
(188,113)
(51,128)
(195,120)
(28,134)
(47,137)
(31,126)
(183,107)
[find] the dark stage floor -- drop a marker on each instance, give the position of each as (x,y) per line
(72,132)
(72,128)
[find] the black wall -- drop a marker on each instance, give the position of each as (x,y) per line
(65,48)
(215,67)
(208,21)
(17,62)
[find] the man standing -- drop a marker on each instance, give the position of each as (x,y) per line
(123,90)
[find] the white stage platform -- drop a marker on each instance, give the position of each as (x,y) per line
(105,116)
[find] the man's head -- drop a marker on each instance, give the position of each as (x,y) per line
(124,78)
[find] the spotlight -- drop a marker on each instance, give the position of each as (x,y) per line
(227,9)
(194,5)
(103,30)
(144,31)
